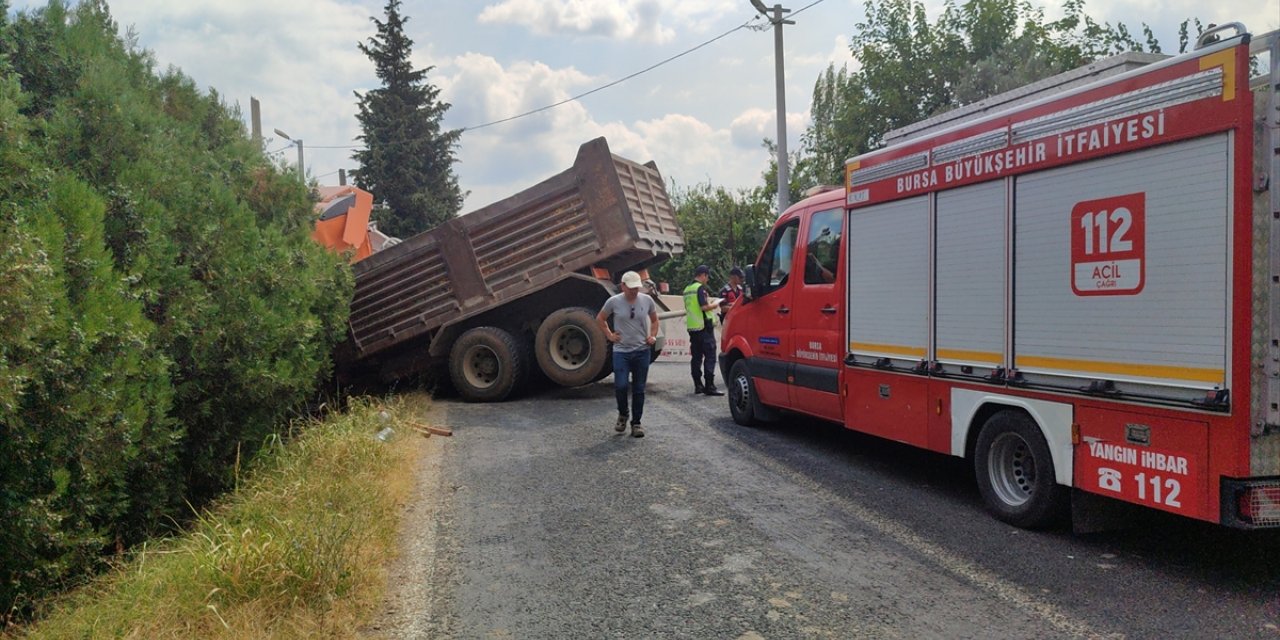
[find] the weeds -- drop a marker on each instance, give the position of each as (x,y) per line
(298,550)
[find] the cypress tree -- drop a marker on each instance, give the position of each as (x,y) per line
(408,159)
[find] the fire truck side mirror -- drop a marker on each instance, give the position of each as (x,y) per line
(752,287)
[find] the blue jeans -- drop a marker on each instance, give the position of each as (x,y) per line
(632,365)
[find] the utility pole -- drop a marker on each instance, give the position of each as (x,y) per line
(784,171)
(302,167)
(255,121)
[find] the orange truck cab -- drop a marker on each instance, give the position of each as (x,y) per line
(343,224)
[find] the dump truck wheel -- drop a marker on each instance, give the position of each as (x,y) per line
(486,364)
(606,369)
(570,347)
(1015,473)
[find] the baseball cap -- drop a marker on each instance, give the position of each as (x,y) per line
(632,280)
(737,272)
(702,268)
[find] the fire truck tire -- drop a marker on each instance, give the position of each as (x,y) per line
(570,347)
(1015,473)
(744,404)
(487,364)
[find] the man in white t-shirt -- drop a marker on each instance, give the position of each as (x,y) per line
(635,329)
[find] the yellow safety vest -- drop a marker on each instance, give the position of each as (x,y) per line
(694,317)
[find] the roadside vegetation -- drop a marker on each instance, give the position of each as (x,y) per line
(298,550)
(163,311)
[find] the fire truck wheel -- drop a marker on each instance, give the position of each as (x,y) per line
(1015,472)
(744,404)
(570,347)
(487,364)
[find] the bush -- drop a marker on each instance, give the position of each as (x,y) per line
(162,308)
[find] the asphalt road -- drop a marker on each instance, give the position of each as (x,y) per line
(552,526)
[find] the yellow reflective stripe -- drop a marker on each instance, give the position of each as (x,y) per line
(972,356)
(1166,372)
(892,349)
(1227,60)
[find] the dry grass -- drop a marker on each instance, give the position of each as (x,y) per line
(300,550)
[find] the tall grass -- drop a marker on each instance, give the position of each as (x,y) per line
(298,550)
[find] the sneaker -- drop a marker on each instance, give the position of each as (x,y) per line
(637,431)
(622,424)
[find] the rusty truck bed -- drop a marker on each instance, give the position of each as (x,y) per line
(605,211)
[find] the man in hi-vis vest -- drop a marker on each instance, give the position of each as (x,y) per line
(699,316)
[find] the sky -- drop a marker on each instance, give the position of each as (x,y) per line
(702,118)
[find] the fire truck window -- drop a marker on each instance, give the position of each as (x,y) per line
(822,251)
(777,262)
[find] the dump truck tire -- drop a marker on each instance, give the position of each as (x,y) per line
(487,364)
(606,369)
(570,347)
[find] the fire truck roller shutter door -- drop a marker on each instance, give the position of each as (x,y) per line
(1121,270)
(889,280)
(971,277)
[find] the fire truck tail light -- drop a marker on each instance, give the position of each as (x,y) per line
(1258,503)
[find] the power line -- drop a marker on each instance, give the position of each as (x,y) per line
(806,8)
(615,82)
(580,96)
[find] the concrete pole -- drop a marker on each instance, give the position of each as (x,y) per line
(784,170)
(342,177)
(302,168)
(255,121)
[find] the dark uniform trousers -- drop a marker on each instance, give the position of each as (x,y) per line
(702,345)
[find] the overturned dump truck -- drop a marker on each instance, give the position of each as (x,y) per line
(514,286)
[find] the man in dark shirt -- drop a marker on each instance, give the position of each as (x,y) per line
(732,292)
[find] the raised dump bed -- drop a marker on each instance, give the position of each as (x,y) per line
(515,284)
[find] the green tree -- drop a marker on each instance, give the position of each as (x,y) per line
(721,229)
(910,68)
(408,158)
(162,308)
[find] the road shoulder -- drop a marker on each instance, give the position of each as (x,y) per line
(417,595)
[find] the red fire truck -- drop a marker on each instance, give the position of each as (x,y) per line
(1079,293)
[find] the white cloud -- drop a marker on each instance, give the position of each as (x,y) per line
(499,161)
(655,21)
(481,90)
(752,126)
(1259,17)
(633,20)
